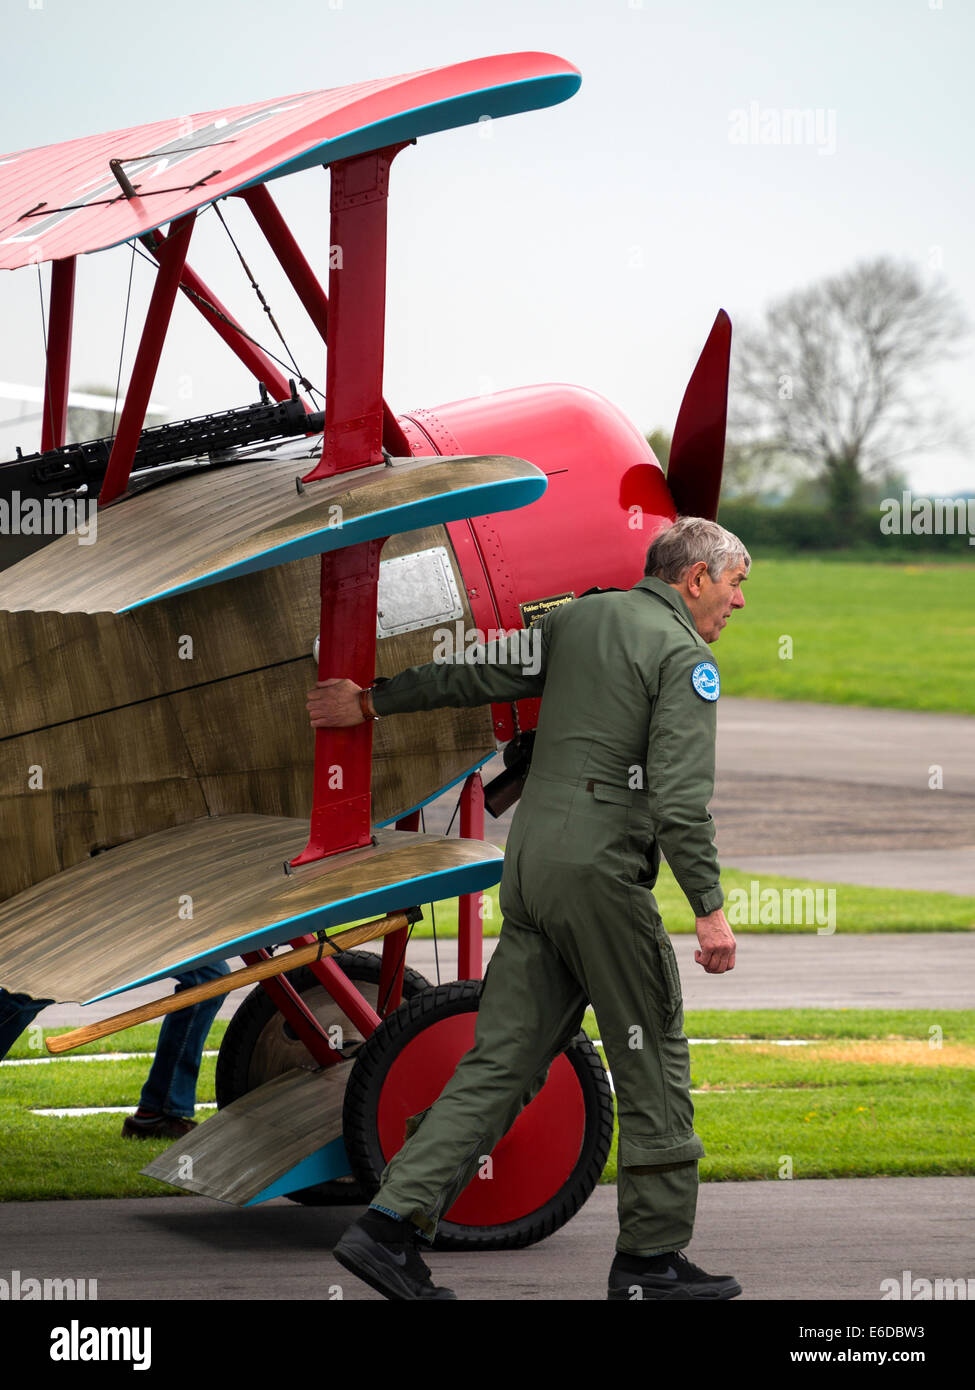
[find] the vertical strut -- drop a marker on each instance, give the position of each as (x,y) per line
(341,803)
(470,925)
(356,313)
(355,319)
(394,948)
(60,320)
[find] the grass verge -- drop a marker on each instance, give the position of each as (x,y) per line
(872,1093)
(840,617)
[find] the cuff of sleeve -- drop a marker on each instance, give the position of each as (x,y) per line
(381,703)
(704,903)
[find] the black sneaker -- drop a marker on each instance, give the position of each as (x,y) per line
(156,1126)
(670,1276)
(393,1269)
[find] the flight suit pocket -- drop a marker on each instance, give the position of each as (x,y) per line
(670,978)
(605,791)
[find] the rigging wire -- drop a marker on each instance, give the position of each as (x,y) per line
(125,324)
(450,825)
(381,1006)
(231,323)
(303,380)
(47,360)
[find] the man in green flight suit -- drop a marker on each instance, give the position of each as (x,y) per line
(622,769)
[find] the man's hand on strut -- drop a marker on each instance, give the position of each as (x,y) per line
(717,943)
(334,704)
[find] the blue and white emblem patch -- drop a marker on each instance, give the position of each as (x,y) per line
(706,681)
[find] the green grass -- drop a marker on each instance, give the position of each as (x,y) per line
(870,555)
(140,1039)
(957,1025)
(44,1157)
(858,909)
(874,1098)
(895,635)
(882,1127)
(871,1097)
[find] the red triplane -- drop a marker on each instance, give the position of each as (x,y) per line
(156,765)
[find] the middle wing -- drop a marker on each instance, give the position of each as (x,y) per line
(222,523)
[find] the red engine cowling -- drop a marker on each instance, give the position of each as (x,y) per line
(606,500)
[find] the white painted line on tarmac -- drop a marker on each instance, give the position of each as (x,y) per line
(742,1090)
(109,1110)
(773,1042)
(85,1057)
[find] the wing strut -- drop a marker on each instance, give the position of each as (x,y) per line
(341,806)
(341,802)
(60,321)
(357,312)
(306,285)
(240,343)
(164,291)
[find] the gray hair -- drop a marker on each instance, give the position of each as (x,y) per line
(688,541)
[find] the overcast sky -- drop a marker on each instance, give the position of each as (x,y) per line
(591,242)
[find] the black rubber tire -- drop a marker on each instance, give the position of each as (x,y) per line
(360,1127)
(259,1044)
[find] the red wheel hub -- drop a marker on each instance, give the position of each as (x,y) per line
(530,1164)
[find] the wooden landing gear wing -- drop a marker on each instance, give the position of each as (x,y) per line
(283,1136)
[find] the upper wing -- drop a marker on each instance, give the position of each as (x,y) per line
(60,200)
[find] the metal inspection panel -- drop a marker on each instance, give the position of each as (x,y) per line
(417,591)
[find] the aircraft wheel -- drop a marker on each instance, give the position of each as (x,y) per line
(260,1044)
(541,1171)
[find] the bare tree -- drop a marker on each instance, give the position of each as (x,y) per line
(835,378)
(659,441)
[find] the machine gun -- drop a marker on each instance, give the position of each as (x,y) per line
(80,468)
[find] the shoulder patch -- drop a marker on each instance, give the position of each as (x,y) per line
(706,681)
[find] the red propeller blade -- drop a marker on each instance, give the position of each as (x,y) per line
(697,451)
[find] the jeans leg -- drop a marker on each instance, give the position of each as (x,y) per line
(171,1084)
(17,1012)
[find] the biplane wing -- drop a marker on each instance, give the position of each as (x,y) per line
(209,889)
(276,1139)
(61,200)
(223,523)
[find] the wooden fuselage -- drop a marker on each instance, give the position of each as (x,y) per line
(113,727)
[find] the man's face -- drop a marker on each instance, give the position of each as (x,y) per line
(717,598)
